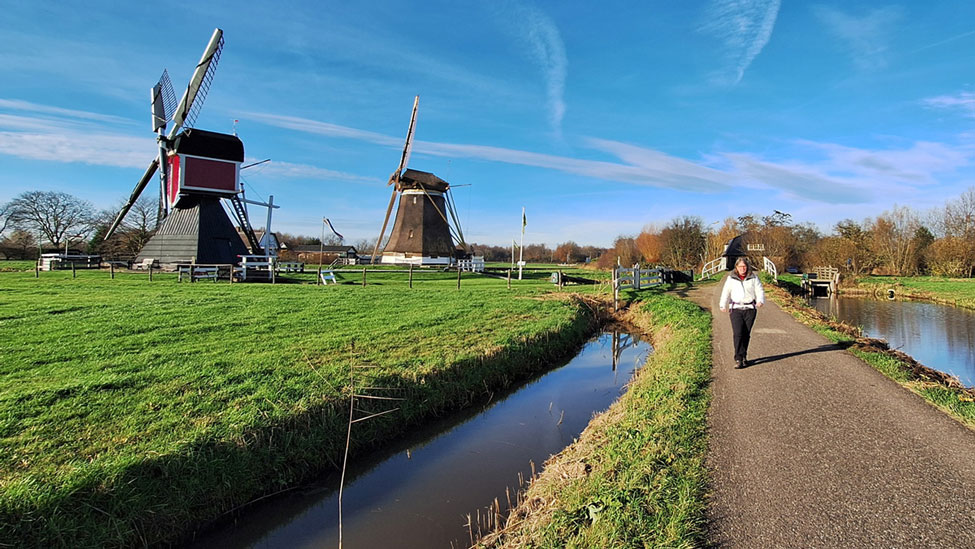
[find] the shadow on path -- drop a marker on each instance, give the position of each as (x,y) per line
(821,349)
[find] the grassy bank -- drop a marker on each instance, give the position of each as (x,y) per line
(931,385)
(636,476)
(958,292)
(131,411)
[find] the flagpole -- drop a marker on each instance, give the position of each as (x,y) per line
(521,249)
(321,248)
(512,253)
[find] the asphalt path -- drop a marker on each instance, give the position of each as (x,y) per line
(811,447)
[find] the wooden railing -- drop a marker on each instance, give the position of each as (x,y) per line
(770,267)
(712,267)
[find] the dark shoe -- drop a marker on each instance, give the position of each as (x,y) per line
(740,364)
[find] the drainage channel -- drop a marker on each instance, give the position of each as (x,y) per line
(420,492)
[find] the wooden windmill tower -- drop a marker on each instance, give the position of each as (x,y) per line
(421,233)
(198,169)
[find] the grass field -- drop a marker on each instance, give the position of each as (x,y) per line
(959,292)
(132,410)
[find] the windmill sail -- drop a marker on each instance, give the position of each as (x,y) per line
(408,148)
(394,179)
(150,171)
(196,90)
(185,113)
(163,102)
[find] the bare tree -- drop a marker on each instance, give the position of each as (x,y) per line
(57,216)
(650,245)
(959,216)
(568,252)
(860,257)
(19,244)
(893,240)
(683,242)
(4,217)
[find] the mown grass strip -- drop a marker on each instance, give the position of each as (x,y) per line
(636,477)
(132,411)
(957,402)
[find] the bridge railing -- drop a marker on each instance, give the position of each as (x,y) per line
(769,266)
(711,268)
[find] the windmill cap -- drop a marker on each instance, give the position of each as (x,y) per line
(412,179)
(208,144)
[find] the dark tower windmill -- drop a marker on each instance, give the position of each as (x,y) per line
(197,169)
(421,233)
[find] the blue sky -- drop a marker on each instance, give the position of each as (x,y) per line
(598,120)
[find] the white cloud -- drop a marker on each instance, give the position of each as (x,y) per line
(964,102)
(279,169)
(828,173)
(744,27)
(867,37)
(18,105)
(86,148)
(322,128)
(547,50)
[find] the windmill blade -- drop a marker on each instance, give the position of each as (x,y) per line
(196,90)
(389,210)
(405,158)
(163,102)
(139,187)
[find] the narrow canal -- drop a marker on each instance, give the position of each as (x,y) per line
(939,336)
(420,492)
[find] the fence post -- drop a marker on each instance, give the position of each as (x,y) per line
(509,279)
(150,273)
(73,273)
(111,268)
(363,277)
(271,267)
(411,276)
(616,289)
(37,269)
(458,276)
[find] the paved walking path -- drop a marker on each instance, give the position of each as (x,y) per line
(811,447)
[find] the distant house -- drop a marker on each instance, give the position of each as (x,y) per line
(315,253)
(276,245)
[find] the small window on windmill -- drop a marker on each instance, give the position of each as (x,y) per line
(414,199)
(756,247)
(411,230)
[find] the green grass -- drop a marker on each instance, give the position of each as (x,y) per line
(959,292)
(132,410)
(10,265)
(636,477)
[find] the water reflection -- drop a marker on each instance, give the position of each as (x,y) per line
(938,336)
(419,494)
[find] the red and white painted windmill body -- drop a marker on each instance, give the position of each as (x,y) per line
(198,169)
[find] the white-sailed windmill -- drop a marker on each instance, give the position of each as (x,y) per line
(421,233)
(197,169)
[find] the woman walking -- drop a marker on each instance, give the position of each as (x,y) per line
(742,295)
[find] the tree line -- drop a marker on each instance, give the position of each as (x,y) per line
(901,241)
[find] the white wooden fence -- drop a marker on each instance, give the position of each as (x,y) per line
(770,267)
(712,268)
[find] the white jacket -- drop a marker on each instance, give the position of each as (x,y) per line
(742,293)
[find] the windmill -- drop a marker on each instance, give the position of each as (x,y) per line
(197,169)
(421,233)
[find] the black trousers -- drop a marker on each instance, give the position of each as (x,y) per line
(741,325)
